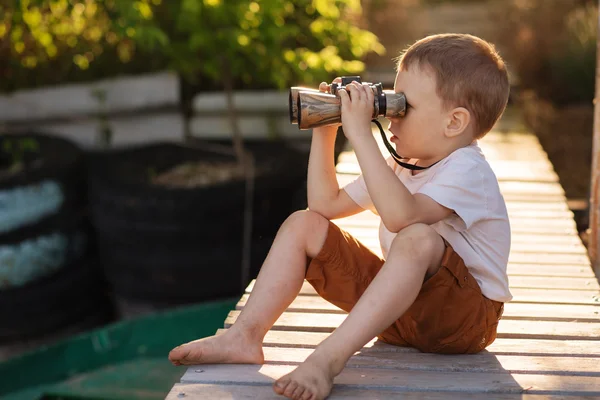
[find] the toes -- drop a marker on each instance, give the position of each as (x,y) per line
(178,353)
(298,392)
(289,390)
(307,395)
(281,384)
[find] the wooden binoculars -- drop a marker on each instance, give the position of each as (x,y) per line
(311,108)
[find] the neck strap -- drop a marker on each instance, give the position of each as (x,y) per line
(395,155)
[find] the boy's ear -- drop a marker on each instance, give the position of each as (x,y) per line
(458,121)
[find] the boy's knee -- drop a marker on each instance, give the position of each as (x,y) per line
(309,228)
(306,221)
(419,241)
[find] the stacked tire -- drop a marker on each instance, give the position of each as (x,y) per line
(162,246)
(48,278)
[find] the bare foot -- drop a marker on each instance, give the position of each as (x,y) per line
(228,348)
(312,380)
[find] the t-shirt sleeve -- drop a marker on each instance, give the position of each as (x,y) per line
(460,185)
(357,189)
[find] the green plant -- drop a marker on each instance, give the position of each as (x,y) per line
(17,152)
(271,43)
(266,44)
(573,62)
(45,42)
(550,46)
(105,134)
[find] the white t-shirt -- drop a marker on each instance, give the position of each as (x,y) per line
(478,230)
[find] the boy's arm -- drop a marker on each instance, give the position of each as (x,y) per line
(396,206)
(324,194)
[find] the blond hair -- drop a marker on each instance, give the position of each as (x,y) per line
(469,73)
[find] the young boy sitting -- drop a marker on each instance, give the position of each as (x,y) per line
(444,231)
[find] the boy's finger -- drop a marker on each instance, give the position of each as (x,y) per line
(355,94)
(344,97)
(369,93)
(324,87)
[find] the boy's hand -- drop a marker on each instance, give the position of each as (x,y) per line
(326,87)
(357,110)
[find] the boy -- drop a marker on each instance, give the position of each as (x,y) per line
(444,230)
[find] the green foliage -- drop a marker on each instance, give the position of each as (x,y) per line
(48,42)
(16,152)
(552,47)
(267,43)
(573,63)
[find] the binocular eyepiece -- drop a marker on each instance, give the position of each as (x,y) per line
(311,108)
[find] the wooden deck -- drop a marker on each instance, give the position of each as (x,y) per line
(548,342)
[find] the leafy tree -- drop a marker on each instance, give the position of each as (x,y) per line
(262,44)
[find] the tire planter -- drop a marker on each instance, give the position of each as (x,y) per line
(37,204)
(46,281)
(74,295)
(168,246)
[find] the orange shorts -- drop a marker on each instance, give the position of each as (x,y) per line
(450,314)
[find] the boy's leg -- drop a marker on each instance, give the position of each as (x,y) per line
(302,235)
(416,252)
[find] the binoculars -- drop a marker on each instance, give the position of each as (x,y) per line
(311,108)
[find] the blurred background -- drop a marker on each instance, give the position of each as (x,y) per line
(147,158)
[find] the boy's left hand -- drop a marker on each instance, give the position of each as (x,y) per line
(357,110)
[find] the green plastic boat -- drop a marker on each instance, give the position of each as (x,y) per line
(126,360)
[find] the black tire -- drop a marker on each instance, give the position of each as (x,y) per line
(63,160)
(63,163)
(71,294)
(184,245)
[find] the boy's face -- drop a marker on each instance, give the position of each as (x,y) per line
(419,133)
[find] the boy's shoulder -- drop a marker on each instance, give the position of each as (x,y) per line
(468,164)
(470,152)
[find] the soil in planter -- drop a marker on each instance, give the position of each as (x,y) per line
(198,174)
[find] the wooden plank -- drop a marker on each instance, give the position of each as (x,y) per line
(370,219)
(371,230)
(256,125)
(526,228)
(126,130)
(327,322)
(527,166)
(555,283)
(265,392)
(571,239)
(534,189)
(543,259)
(507,346)
(521,253)
(526,216)
(502,172)
(467,363)
(65,101)
(547,312)
(527,295)
(520,226)
(371,239)
(524,205)
(564,241)
(521,269)
(367,378)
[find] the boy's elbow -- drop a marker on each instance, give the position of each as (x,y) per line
(318,208)
(395,225)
